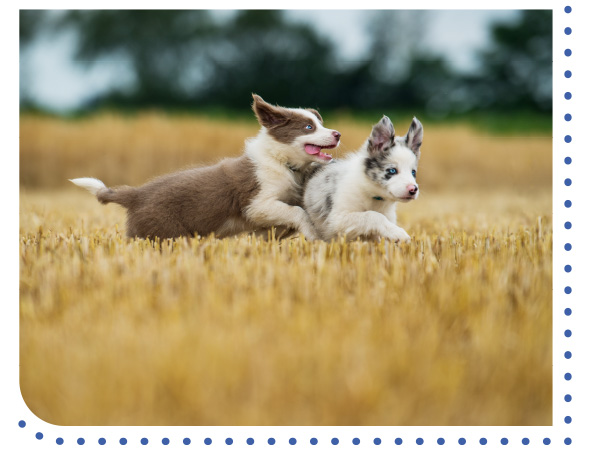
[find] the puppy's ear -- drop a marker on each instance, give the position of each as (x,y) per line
(317,114)
(268,116)
(382,136)
(414,136)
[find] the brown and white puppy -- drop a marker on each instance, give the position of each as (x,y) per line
(258,190)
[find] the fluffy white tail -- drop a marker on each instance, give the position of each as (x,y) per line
(91,184)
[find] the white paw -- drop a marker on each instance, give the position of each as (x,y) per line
(310,233)
(398,235)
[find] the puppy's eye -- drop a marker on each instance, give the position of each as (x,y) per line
(414,173)
(392,171)
(308,127)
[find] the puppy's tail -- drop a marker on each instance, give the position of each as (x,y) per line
(124,195)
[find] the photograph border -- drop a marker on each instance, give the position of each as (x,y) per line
(21,428)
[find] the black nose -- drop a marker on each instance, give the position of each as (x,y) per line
(336,135)
(413,190)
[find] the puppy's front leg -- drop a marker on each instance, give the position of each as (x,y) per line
(368,223)
(268,213)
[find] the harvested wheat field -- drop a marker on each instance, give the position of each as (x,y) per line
(453,328)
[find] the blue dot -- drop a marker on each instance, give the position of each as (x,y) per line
(568,290)
(22,423)
(59,441)
(440,441)
(568,398)
(419,441)
(568,376)
(144,441)
(80,441)
(567,419)
(567,441)
(567,311)
(567,117)
(568,203)
(567,247)
(250,441)
(567,52)
(462,441)
(567,225)
(567,31)
(567,355)
(186,441)
(568,9)
(314,441)
(39,435)
(504,441)
(398,441)
(356,441)
(568,268)
(334,441)
(568,95)
(271,441)
(567,182)
(208,441)
(123,441)
(567,138)
(568,74)
(525,441)
(229,441)
(103,441)
(483,441)
(165,441)
(568,333)
(546,441)
(377,441)
(292,441)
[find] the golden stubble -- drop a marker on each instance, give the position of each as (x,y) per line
(453,328)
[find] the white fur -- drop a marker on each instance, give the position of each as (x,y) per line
(279,183)
(93,185)
(340,198)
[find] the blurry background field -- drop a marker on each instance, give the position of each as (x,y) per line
(453,328)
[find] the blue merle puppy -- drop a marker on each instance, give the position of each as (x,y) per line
(357,196)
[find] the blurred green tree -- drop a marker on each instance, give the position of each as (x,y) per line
(516,69)
(160,46)
(185,58)
(195,58)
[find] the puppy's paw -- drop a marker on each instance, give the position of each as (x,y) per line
(310,233)
(397,234)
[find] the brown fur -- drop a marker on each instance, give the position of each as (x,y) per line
(227,198)
(283,124)
(316,113)
(194,201)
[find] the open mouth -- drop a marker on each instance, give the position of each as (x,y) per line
(316,150)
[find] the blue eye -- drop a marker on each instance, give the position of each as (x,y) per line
(392,171)
(308,127)
(414,173)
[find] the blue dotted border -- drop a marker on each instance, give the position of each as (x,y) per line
(398,441)
(313,441)
(568,226)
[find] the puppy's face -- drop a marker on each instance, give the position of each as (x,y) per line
(298,130)
(392,162)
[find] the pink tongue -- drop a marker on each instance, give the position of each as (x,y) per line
(312,149)
(315,150)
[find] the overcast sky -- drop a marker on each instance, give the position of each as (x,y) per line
(54,81)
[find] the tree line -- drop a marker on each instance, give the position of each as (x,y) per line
(186,59)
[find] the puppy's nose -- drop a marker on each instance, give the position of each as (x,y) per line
(412,189)
(336,135)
